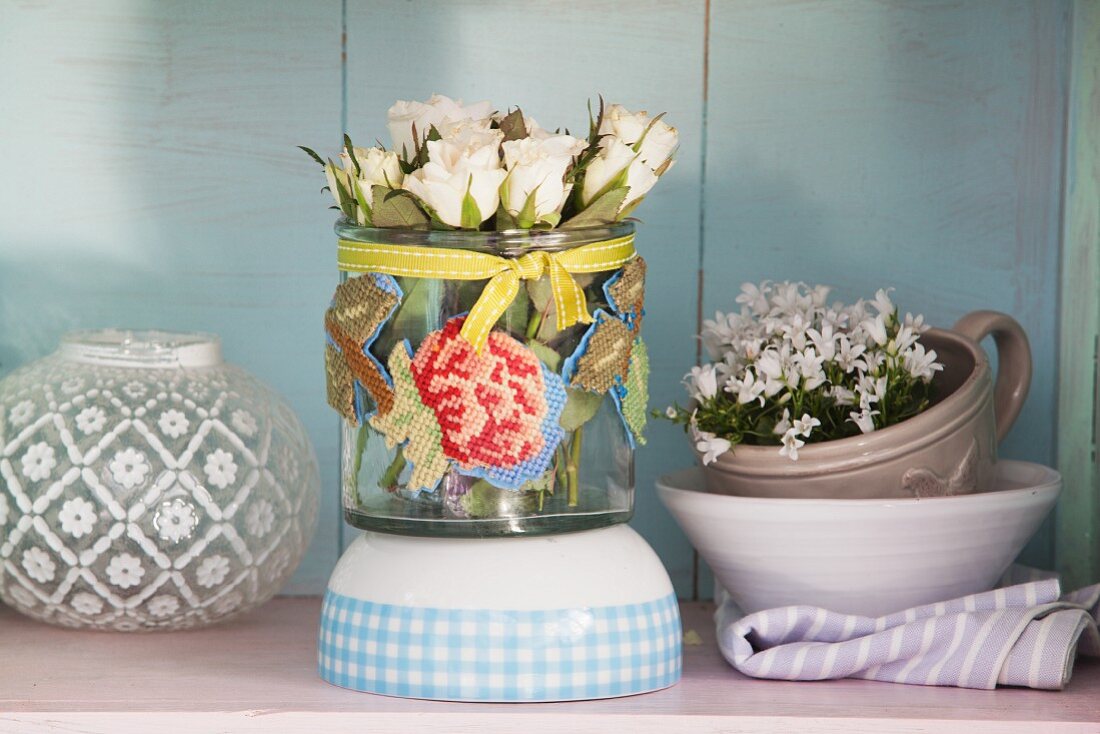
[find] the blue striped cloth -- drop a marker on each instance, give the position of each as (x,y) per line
(1025,634)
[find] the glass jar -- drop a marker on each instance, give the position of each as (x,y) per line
(588,481)
(145,484)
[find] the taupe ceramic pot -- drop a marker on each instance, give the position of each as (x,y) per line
(949,449)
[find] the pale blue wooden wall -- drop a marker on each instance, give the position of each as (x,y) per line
(148,175)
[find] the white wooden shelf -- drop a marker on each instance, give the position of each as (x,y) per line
(259,674)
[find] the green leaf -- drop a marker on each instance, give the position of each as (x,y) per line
(351,154)
(526,217)
(580,406)
(604,210)
(471,215)
(485,500)
(397,208)
(551,218)
(636,401)
(548,356)
(629,208)
(513,126)
(504,220)
(541,292)
(363,205)
(313,155)
(347,200)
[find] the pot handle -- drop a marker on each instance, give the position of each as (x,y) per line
(1013,362)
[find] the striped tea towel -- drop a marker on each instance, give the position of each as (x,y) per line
(1026,634)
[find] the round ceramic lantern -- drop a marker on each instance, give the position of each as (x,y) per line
(493,386)
(146,484)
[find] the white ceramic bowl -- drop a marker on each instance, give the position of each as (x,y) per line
(868,557)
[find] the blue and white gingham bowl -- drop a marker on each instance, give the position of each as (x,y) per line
(567,617)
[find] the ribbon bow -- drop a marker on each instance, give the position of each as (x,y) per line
(503,274)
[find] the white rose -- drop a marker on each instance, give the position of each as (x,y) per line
(376,167)
(439,111)
(614,157)
(659,142)
(468,164)
(538,165)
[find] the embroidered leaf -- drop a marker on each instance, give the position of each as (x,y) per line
(636,385)
(603,210)
(395,208)
(412,423)
(580,406)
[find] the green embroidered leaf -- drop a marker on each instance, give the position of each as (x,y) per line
(580,406)
(604,210)
(412,423)
(637,391)
(513,126)
(396,208)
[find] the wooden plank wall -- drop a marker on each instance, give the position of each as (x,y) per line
(150,176)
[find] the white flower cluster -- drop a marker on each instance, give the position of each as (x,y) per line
(787,352)
(463,162)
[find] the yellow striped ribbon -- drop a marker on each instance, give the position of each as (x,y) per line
(503,274)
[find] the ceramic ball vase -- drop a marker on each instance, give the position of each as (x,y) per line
(147,485)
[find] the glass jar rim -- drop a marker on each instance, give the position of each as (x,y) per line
(504,242)
(142,348)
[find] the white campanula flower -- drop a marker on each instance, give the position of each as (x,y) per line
(537,166)
(617,165)
(824,341)
(842,395)
(719,333)
(916,323)
(810,369)
(921,364)
(709,445)
(755,298)
(658,139)
(848,355)
(784,423)
(882,302)
(791,444)
(440,112)
(466,164)
(747,389)
(805,425)
(702,382)
(864,419)
(875,329)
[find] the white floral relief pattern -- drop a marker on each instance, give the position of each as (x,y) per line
(220,469)
(115,481)
(125,571)
(38,565)
(212,571)
(38,462)
(77,517)
(129,468)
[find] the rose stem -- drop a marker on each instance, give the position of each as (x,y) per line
(574,462)
(393,471)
